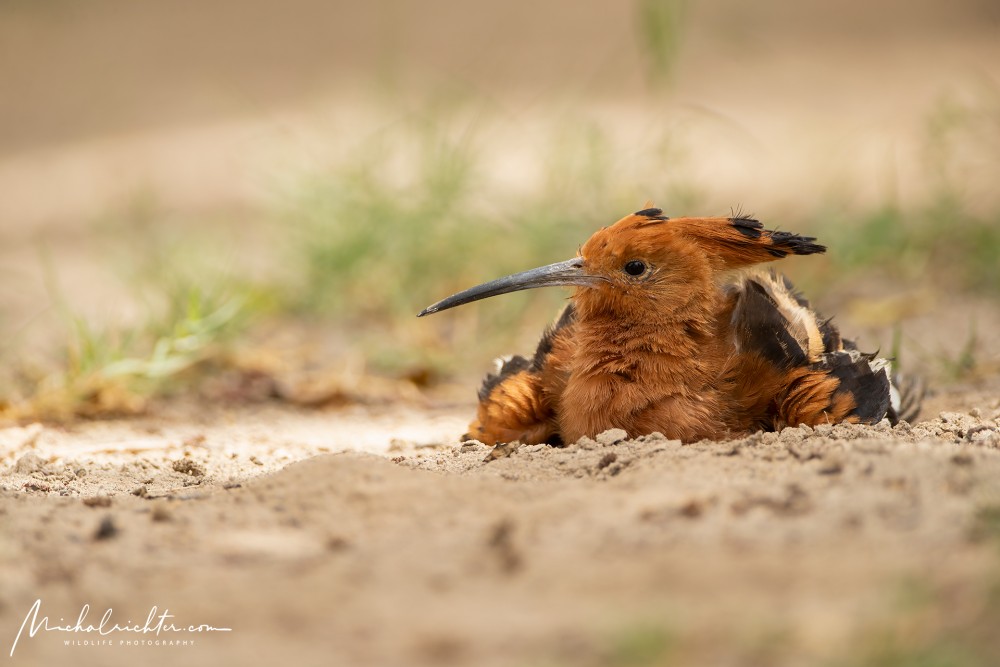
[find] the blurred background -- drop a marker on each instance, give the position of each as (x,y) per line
(243,200)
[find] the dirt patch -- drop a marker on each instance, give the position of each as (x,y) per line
(794,543)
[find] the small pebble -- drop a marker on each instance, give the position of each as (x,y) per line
(188,467)
(28,464)
(962,459)
(612,437)
(106,530)
(160,512)
(607,460)
(831,466)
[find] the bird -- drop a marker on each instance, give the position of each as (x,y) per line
(675,327)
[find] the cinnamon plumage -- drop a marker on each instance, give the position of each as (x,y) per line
(669,329)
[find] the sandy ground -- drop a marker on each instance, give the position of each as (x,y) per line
(778,549)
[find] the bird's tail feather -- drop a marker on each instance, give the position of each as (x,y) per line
(907,396)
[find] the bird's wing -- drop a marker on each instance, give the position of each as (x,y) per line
(791,367)
(518,402)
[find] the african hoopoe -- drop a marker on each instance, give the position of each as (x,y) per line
(662,334)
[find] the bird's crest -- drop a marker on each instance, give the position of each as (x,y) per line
(730,243)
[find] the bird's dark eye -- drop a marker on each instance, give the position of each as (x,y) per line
(635,268)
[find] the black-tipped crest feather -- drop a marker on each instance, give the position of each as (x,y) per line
(787,242)
(654,213)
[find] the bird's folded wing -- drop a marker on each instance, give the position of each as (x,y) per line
(791,367)
(519,401)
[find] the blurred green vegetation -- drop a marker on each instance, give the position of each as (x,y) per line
(111,369)
(936,627)
(644,645)
(372,250)
(412,216)
(660,27)
(939,237)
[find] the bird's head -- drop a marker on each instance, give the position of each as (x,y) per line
(637,260)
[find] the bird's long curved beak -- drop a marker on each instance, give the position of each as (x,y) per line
(570,272)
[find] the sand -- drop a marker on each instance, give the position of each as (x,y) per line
(321,537)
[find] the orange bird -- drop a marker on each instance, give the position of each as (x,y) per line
(665,333)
